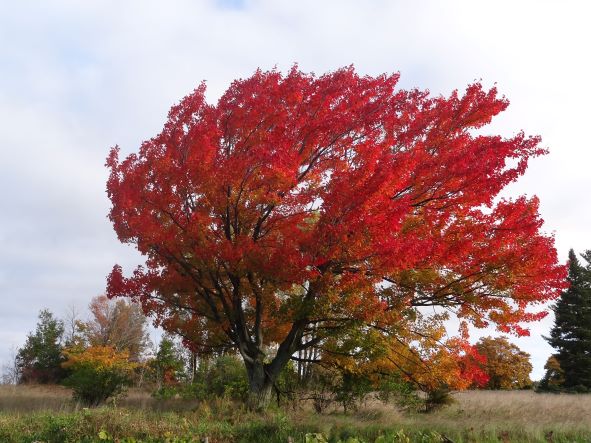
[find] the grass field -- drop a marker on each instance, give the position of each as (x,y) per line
(47,414)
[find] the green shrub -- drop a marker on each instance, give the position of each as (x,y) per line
(437,398)
(227,377)
(352,390)
(392,388)
(97,374)
(167,367)
(223,376)
(167,392)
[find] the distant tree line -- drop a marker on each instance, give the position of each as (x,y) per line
(100,356)
(113,345)
(120,325)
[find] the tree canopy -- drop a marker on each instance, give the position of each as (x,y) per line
(305,211)
(118,324)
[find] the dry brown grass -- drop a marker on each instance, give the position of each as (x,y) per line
(527,412)
(30,398)
(476,416)
(523,408)
(477,413)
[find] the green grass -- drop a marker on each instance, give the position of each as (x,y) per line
(123,425)
(476,417)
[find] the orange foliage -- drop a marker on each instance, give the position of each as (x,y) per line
(423,357)
(119,324)
(101,358)
(507,366)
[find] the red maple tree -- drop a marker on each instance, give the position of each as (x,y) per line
(300,207)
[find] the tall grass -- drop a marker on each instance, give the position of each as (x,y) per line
(478,416)
(36,413)
(24,398)
(29,398)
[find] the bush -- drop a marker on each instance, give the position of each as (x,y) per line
(321,387)
(328,385)
(222,376)
(226,376)
(287,385)
(97,373)
(393,388)
(437,398)
(168,392)
(168,365)
(352,390)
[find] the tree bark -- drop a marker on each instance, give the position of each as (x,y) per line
(261,376)
(260,387)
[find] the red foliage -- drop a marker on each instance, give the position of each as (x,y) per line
(302,201)
(471,363)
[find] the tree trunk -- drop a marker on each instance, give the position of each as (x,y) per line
(260,387)
(261,376)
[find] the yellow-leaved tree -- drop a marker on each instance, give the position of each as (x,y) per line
(97,373)
(507,366)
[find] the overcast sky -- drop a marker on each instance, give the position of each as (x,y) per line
(79,77)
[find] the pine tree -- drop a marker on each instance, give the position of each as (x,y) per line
(571,334)
(40,359)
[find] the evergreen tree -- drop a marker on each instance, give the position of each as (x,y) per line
(40,359)
(571,334)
